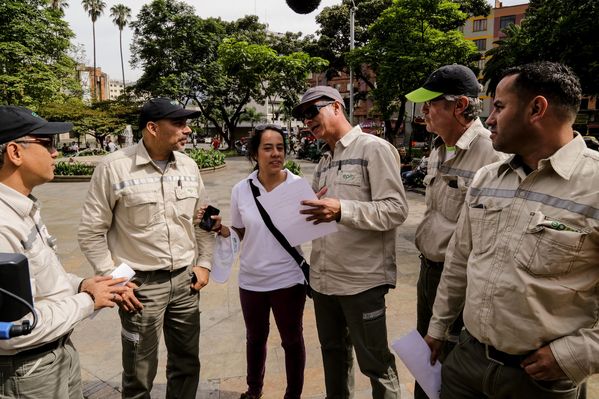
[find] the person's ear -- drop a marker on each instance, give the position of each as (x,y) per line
(461,104)
(14,154)
(538,107)
(152,128)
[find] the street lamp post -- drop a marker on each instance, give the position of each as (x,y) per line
(352,15)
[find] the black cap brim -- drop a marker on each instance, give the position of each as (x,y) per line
(183,113)
(52,128)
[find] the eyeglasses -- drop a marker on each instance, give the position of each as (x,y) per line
(48,143)
(314,109)
(434,100)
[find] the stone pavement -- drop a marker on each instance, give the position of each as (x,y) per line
(222,341)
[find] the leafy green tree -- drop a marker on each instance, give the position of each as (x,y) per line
(121,15)
(59,4)
(95,8)
(250,114)
(553,30)
(35,67)
(224,67)
(408,41)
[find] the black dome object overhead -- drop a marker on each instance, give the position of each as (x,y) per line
(303,6)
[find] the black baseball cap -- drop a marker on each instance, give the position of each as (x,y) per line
(452,79)
(315,93)
(16,122)
(163,108)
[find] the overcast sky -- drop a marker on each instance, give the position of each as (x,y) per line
(276,13)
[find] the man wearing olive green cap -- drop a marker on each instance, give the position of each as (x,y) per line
(451,107)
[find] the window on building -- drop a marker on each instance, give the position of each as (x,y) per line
(479,25)
(506,21)
(481,44)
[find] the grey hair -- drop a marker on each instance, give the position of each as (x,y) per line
(474,108)
(2,151)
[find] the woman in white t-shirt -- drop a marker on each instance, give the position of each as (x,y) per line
(269,278)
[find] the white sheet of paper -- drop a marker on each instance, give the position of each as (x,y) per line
(283,207)
(415,354)
(123,270)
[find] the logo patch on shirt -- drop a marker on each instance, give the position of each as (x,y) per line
(349,178)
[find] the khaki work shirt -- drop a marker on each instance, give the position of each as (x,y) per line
(58,305)
(364,174)
(525,260)
(446,185)
(137,214)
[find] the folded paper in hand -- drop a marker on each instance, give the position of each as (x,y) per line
(415,353)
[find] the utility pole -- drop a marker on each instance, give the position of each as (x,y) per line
(352,17)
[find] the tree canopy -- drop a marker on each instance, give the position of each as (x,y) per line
(408,41)
(569,38)
(226,65)
(34,64)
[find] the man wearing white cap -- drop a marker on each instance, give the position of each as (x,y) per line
(351,271)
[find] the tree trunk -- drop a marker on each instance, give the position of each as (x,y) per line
(122,64)
(95,96)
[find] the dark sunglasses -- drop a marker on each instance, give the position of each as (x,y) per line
(314,109)
(48,143)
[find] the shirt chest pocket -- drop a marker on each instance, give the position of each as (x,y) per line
(549,247)
(485,227)
(187,197)
(349,178)
(142,209)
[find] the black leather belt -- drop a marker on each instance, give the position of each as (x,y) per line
(40,350)
(505,359)
(431,264)
(162,272)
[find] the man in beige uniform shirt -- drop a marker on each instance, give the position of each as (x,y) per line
(42,364)
(451,108)
(352,270)
(523,260)
(140,210)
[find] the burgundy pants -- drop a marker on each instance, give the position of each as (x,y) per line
(287,306)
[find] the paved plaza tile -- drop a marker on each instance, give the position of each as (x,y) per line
(222,340)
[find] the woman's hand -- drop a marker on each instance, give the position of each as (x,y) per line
(217,219)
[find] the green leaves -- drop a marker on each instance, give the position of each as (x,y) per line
(206,158)
(553,30)
(34,66)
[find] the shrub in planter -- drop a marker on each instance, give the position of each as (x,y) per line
(207,158)
(293,167)
(73,169)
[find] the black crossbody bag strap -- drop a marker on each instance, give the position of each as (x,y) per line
(279,236)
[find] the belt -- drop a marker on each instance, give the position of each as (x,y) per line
(430,263)
(40,350)
(162,272)
(505,359)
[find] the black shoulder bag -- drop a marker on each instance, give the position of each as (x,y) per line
(282,240)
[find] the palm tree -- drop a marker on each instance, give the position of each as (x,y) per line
(58,4)
(94,8)
(121,14)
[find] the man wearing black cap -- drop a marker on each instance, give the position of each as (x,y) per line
(42,364)
(451,108)
(140,210)
(351,271)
